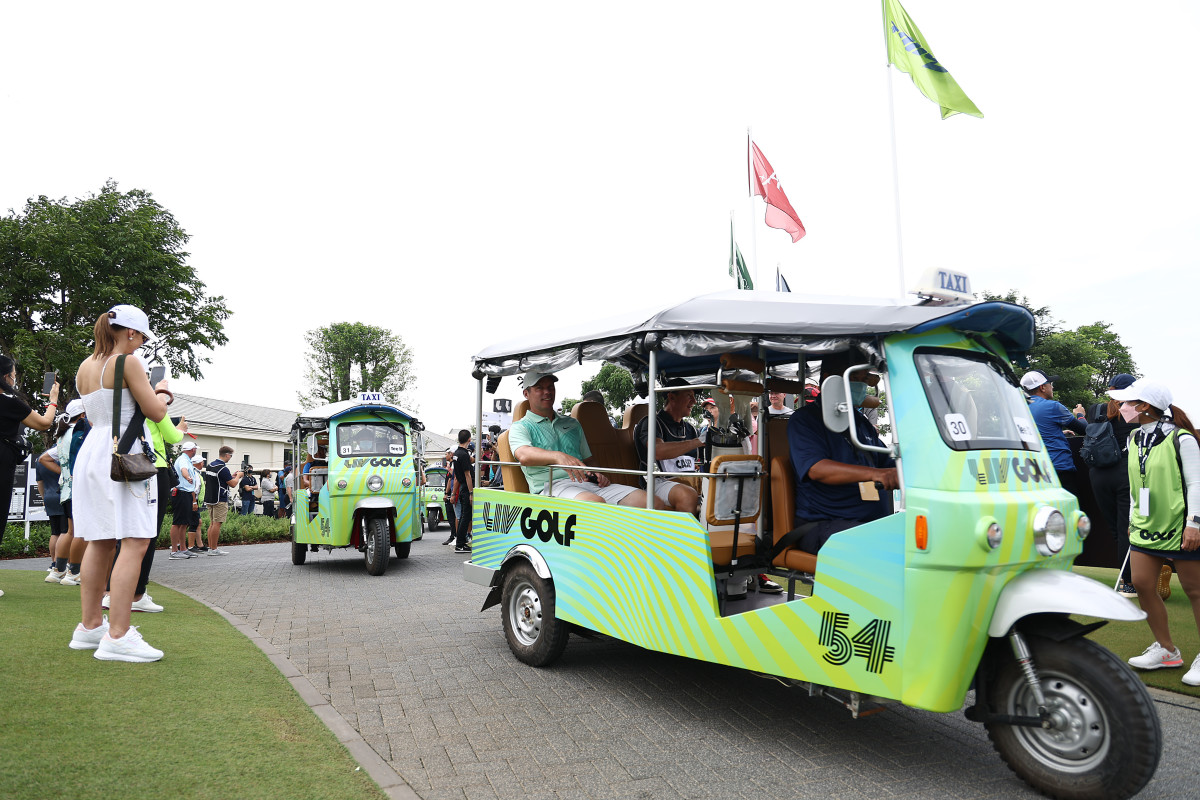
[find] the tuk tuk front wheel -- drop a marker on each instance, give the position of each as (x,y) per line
(433,519)
(376,551)
(1105,741)
(299,551)
(534,634)
(402,549)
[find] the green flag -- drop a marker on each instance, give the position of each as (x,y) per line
(909,52)
(735,259)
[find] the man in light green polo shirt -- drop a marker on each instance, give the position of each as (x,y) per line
(543,437)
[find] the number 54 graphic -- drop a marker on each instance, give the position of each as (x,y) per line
(870,643)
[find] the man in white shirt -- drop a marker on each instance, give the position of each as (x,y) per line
(183,501)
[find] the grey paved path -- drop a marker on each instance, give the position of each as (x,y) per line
(428,681)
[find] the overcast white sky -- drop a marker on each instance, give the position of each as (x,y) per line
(464,173)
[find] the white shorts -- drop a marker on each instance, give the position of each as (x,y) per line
(663,487)
(569,490)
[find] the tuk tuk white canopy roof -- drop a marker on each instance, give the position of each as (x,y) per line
(693,334)
(317,417)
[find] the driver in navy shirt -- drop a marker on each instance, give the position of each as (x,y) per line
(828,467)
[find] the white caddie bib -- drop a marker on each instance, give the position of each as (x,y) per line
(680,464)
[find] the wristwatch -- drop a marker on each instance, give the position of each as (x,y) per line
(1194,521)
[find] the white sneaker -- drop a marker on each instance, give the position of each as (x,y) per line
(55,576)
(216,551)
(83,639)
(146,604)
(1192,676)
(130,647)
(1156,656)
(70,579)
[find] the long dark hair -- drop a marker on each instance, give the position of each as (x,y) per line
(1175,414)
(7,365)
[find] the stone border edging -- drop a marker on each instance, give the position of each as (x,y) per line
(390,781)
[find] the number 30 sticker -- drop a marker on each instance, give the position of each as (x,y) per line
(956,425)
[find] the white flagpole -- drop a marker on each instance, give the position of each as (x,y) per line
(896,185)
(753,227)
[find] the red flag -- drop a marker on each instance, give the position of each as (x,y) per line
(763,183)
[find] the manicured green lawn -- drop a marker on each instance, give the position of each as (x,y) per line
(213,719)
(1128,639)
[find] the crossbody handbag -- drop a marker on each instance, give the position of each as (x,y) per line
(129,467)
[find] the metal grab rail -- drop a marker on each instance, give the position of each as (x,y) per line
(617,471)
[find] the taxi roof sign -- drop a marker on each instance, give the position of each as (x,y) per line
(945,284)
(371,397)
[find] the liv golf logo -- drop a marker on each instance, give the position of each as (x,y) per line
(545,525)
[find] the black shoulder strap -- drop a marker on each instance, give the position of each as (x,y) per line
(134,431)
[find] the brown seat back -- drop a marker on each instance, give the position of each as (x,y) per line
(634,414)
(514,478)
(783,498)
(610,447)
(521,410)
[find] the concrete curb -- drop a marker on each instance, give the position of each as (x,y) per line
(390,781)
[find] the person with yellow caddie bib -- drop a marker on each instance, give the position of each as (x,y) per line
(1164,512)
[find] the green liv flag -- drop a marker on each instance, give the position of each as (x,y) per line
(909,52)
(736,260)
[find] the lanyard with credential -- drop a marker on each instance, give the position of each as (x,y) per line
(1144,446)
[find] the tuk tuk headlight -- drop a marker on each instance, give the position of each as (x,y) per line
(374,483)
(1049,530)
(1083,526)
(989,534)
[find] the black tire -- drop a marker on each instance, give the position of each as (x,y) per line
(534,634)
(433,519)
(402,549)
(1110,741)
(299,551)
(375,550)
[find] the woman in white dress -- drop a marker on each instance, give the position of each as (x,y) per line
(106,510)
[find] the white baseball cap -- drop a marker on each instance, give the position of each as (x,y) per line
(131,317)
(1153,392)
(533,376)
(74,408)
(1035,378)
(189,446)
(196,459)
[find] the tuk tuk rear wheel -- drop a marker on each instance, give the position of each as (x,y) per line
(1106,740)
(299,551)
(376,539)
(534,634)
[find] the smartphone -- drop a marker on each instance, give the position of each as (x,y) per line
(176,420)
(48,383)
(157,374)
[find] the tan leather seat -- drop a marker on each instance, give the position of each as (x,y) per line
(610,447)
(783,498)
(633,415)
(721,541)
(521,410)
(514,478)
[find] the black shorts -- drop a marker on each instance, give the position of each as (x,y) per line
(58,524)
(182,512)
(66,504)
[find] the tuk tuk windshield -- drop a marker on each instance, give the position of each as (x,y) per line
(975,403)
(370,439)
(435,480)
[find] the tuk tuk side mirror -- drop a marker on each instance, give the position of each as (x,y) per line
(835,409)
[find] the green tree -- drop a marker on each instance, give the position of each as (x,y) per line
(612,381)
(346,358)
(64,263)
(1083,359)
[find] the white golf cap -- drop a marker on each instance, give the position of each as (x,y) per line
(1035,378)
(533,376)
(131,317)
(196,459)
(74,408)
(1153,392)
(189,446)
